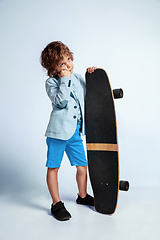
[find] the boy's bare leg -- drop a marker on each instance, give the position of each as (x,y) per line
(52,182)
(81,178)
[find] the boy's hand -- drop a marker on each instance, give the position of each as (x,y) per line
(64,73)
(91,69)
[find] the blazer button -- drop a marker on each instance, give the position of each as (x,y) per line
(75,107)
(74,117)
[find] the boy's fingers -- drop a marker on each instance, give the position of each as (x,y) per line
(91,69)
(64,73)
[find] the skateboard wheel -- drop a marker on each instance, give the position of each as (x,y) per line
(118,93)
(124,185)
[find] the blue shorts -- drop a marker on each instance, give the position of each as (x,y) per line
(73,147)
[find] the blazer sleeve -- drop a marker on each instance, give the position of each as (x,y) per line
(59,91)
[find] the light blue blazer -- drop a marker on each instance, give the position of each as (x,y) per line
(63,118)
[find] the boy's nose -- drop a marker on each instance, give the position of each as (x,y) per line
(68,66)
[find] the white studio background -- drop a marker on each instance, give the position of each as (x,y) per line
(121,36)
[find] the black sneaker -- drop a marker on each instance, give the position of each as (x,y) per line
(59,212)
(87,200)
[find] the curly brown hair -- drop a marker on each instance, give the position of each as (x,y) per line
(52,54)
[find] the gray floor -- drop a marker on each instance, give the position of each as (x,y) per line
(24,217)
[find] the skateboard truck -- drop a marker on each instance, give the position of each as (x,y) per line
(124,185)
(118,93)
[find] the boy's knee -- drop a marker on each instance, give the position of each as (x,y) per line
(81,169)
(53,169)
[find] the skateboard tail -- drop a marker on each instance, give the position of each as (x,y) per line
(104,179)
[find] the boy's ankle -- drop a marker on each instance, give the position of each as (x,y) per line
(55,202)
(82,195)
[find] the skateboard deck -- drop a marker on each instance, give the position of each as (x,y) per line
(102,141)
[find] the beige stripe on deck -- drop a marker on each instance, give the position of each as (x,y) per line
(102,147)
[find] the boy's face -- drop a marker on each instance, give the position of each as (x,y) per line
(65,65)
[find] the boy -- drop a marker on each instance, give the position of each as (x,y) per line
(66,91)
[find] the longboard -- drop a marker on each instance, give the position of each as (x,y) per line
(102,141)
